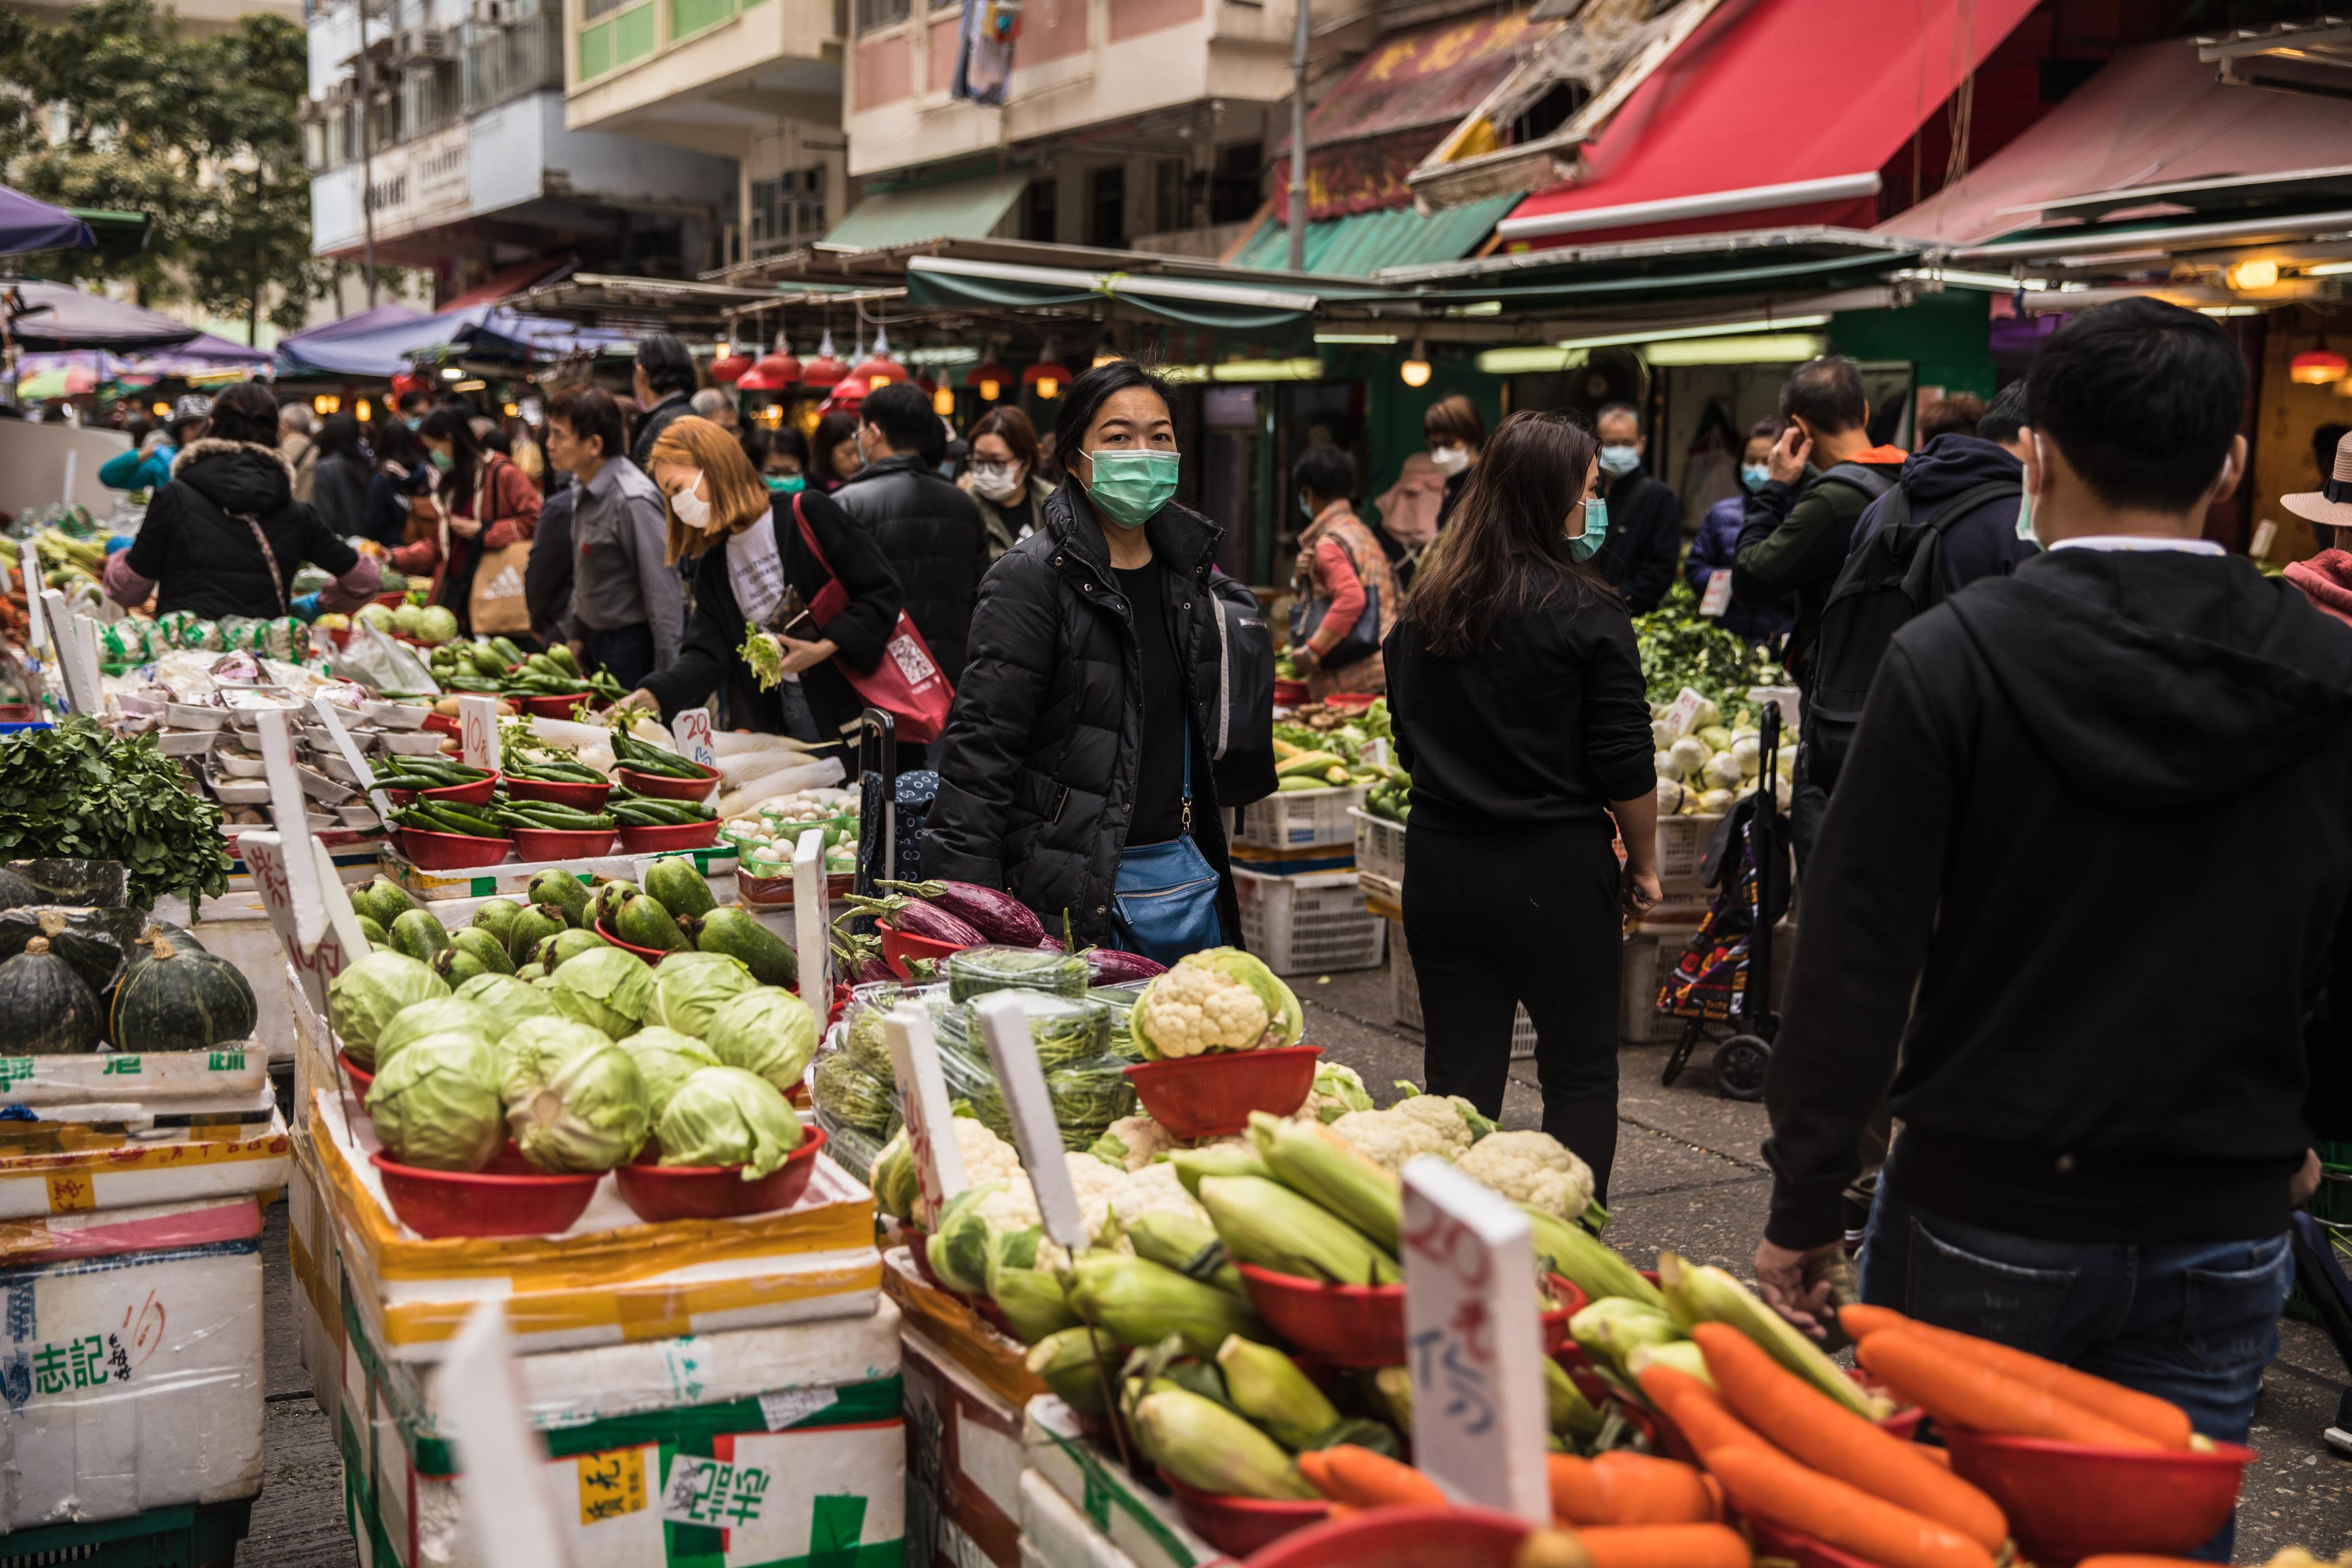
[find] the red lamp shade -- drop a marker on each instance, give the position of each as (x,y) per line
(1047,378)
(729,368)
(847,395)
(758,379)
(989,379)
(2318,367)
(880,370)
(776,371)
(824,371)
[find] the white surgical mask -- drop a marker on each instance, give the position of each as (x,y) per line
(1620,459)
(1000,482)
(692,509)
(1449,460)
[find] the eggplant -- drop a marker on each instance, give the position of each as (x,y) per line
(998,916)
(920,917)
(1109,966)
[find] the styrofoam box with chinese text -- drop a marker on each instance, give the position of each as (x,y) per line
(1137,1521)
(222,1081)
(184,1163)
(133,1375)
(1056,1535)
(965,1463)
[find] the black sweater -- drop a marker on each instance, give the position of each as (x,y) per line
(1548,724)
(1645,539)
(2098,815)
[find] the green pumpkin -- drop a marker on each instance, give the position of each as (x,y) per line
(47,1008)
(174,998)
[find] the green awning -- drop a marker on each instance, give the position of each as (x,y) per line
(1280,321)
(958,209)
(1361,244)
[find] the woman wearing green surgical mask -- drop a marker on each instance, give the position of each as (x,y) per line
(1515,688)
(781,456)
(1119,691)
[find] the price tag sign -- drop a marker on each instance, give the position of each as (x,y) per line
(1785,699)
(809,904)
(691,730)
(36,627)
(1471,1344)
(2265,535)
(923,1105)
(332,718)
(511,1508)
(277,860)
(1376,753)
(1717,598)
(1682,712)
(1013,1056)
(477,730)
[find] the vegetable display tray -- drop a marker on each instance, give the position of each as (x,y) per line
(1212,1096)
(1401,1538)
(650,955)
(558,707)
(661,786)
(657,1193)
(1241,1525)
(450,851)
(2069,1501)
(500,1200)
(1347,1325)
(898,947)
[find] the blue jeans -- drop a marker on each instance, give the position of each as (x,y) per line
(2193,1323)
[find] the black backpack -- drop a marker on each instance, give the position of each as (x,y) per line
(1896,575)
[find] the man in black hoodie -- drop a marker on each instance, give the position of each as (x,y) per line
(2079,873)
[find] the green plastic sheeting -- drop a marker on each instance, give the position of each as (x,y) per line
(1239,323)
(1361,244)
(960,209)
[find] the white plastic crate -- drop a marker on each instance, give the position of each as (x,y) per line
(1405,998)
(1682,849)
(1380,847)
(1302,819)
(1313,923)
(1649,959)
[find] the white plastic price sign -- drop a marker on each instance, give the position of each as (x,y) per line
(1717,598)
(923,1105)
(477,730)
(503,1475)
(691,730)
(1019,1078)
(37,629)
(816,954)
(1471,1343)
(1682,712)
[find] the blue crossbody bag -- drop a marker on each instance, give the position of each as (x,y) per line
(1164,901)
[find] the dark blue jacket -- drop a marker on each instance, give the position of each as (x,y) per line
(1716,549)
(1985,542)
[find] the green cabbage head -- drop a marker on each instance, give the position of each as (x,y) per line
(508,1001)
(766,1030)
(665,1058)
(369,993)
(604,987)
(725,1116)
(688,987)
(440,1014)
(436,1104)
(574,1099)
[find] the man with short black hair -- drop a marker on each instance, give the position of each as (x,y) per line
(628,607)
(2003,424)
(1645,519)
(664,383)
(2082,869)
(931,532)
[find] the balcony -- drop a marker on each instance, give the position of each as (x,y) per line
(702,73)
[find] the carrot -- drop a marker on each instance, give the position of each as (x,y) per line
(1315,1468)
(1664,1546)
(1363,1479)
(1625,1487)
(1941,1457)
(1771,1486)
(1859,1319)
(1820,1432)
(1968,1393)
(1694,1410)
(2160,1421)
(2128,1560)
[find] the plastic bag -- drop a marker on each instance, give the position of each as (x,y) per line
(374,659)
(94,942)
(1087,1095)
(1120,1000)
(862,1037)
(86,884)
(976,971)
(854,1149)
(1067,1030)
(850,1095)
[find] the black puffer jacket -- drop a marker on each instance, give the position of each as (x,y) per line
(665,411)
(934,539)
(200,553)
(1042,750)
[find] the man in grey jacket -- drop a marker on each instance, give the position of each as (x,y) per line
(628,606)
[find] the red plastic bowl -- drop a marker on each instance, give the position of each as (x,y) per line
(479,793)
(1401,1537)
(586,796)
(1241,1525)
(443,724)
(361,1078)
(1572,1301)
(559,844)
(449,851)
(899,946)
(1347,1325)
(554,707)
(442,1204)
(2067,1500)
(658,1193)
(661,786)
(650,955)
(1212,1097)
(670,836)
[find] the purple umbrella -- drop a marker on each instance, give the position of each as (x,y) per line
(27,225)
(55,316)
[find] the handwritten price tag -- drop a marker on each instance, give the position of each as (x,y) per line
(1471,1343)
(814,951)
(477,730)
(692,731)
(1013,1056)
(1717,598)
(1682,712)
(923,1105)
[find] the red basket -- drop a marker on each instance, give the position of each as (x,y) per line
(1241,1525)
(449,851)
(555,707)
(1347,1325)
(1288,693)
(661,786)
(1787,1545)
(361,1078)
(1554,1324)
(586,796)
(2068,1500)
(658,1193)
(650,955)
(561,844)
(479,793)
(1212,1097)
(496,1202)
(899,946)
(669,835)
(1401,1537)
(443,724)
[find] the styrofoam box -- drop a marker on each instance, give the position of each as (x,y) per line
(1058,1535)
(1301,818)
(1309,924)
(965,1464)
(1137,1521)
(1405,996)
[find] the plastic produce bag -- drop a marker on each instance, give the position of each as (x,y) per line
(852,1096)
(852,1147)
(1087,1095)
(1067,1030)
(862,1037)
(96,942)
(371,658)
(976,971)
(83,884)
(1121,1002)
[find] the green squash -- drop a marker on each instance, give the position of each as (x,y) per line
(497,917)
(420,934)
(562,888)
(645,923)
(570,945)
(485,949)
(679,886)
(530,928)
(46,1008)
(607,904)
(738,934)
(179,999)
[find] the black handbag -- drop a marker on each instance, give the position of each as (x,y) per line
(1364,639)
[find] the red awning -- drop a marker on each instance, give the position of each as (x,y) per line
(1774,113)
(509,281)
(2154,117)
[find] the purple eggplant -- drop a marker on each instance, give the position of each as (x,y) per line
(918,917)
(1109,966)
(999,917)
(874,967)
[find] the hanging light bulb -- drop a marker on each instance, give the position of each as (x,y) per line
(943,401)
(2317,366)
(2256,272)
(727,367)
(1046,377)
(988,378)
(1415,372)
(878,369)
(825,371)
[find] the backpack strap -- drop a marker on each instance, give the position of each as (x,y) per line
(1858,476)
(1975,496)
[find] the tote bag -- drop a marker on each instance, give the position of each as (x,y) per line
(496,604)
(907,680)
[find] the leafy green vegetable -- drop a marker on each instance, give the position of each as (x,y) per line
(764,656)
(436,1106)
(575,1100)
(362,1000)
(603,987)
(77,792)
(766,1030)
(1679,649)
(725,1116)
(665,1059)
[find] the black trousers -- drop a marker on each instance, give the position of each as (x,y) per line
(1524,917)
(626,651)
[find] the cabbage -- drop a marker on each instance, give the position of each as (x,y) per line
(575,1099)
(506,1000)
(1663,763)
(379,616)
(436,1104)
(725,1116)
(1749,753)
(604,986)
(1722,771)
(1714,802)
(404,618)
(1690,755)
(766,1030)
(1661,734)
(369,993)
(1716,737)
(525,1055)
(437,625)
(688,987)
(1706,713)
(1670,796)
(437,1016)
(665,1058)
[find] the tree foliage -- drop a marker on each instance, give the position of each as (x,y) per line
(116,109)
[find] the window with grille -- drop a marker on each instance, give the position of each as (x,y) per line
(787,211)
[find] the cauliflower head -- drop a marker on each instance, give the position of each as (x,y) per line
(1220,999)
(1134,1141)
(986,1157)
(1532,1168)
(1444,1122)
(1338,1089)
(1389,1138)
(1154,1189)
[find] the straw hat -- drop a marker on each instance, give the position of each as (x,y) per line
(2331,504)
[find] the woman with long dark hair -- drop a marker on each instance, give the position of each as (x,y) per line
(486,503)
(400,491)
(833,451)
(1516,691)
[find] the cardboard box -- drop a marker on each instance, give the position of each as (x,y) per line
(116,1172)
(1138,1522)
(131,1362)
(992,1358)
(1054,1535)
(964,1463)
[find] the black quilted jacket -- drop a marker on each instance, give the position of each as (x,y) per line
(932,535)
(1040,757)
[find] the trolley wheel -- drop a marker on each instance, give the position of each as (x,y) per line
(1739,1063)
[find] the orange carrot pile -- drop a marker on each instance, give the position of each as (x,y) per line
(1769,1485)
(2159,1421)
(1697,1411)
(1963,1392)
(1361,1478)
(1664,1546)
(1626,1488)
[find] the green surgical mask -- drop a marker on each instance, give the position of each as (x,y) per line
(1586,545)
(1129,487)
(786,484)
(2025,517)
(442,460)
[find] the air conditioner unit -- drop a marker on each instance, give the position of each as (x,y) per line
(425,44)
